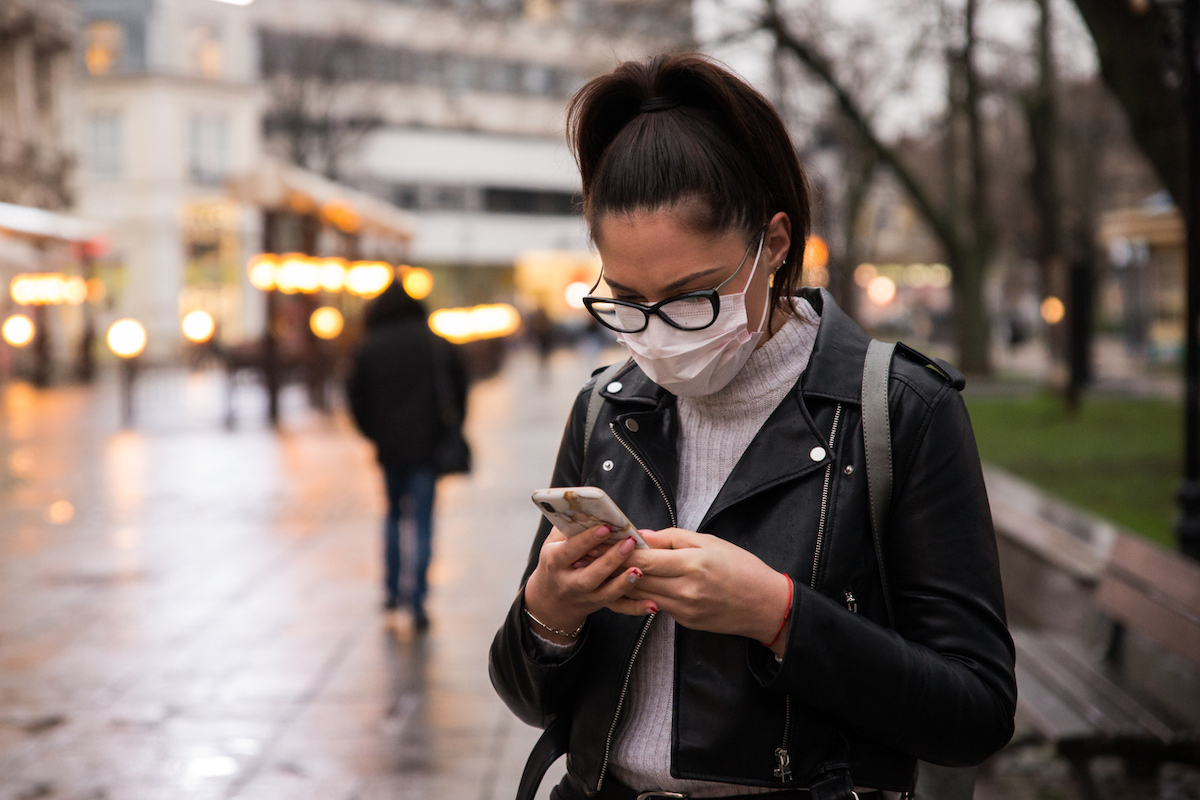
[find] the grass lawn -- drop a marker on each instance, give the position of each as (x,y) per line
(1121,458)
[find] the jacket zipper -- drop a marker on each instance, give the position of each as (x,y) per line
(783,759)
(851,601)
(612,728)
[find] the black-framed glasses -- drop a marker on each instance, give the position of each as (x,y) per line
(690,311)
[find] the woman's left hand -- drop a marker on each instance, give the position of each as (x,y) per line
(708,584)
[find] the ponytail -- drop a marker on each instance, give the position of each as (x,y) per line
(680,132)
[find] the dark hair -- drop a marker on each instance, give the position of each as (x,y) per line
(394,305)
(710,146)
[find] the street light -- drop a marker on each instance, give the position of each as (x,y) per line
(18,330)
(127,339)
(199,327)
(326,322)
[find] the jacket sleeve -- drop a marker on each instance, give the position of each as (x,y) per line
(357,393)
(940,687)
(536,684)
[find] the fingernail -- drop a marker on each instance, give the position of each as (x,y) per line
(652,609)
(603,531)
(634,576)
(627,546)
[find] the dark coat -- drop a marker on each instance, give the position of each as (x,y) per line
(393,393)
(940,687)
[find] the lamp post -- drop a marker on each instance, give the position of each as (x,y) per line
(1188,528)
(127,339)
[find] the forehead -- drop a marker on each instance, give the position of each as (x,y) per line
(659,246)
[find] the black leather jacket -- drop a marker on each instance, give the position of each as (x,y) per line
(940,687)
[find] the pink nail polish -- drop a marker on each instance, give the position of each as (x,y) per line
(603,531)
(627,547)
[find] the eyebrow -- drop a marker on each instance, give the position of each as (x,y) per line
(670,288)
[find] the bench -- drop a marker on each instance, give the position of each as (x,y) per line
(1081,701)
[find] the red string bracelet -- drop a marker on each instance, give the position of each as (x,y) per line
(786,616)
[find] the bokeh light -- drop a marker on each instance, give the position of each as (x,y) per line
(261,270)
(575,293)
(127,338)
(881,290)
(461,325)
(199,327)
(368,278)
(297,273)
(60,512)
(332,274)
(1053,310)
(418,282)
(17,330)
(864,274)
(326,322)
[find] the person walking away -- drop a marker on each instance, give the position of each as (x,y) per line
(402,377)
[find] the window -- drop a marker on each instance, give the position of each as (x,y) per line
(104,44)
(105,145)
(530,201)
(538,80)
(449,198)
(406,196)
(205,53)
(208,149)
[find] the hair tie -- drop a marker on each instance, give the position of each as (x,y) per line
(658,104)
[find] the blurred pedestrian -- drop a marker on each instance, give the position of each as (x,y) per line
(771,639)
(407,392)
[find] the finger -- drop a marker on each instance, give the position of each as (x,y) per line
(617,586)
(633,608)
(577,546)
(674,538)
(664,563)
(600,570)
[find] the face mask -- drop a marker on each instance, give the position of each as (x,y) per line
(697,363)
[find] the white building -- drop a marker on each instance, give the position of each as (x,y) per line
(170,108)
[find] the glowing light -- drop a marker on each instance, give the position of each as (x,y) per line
(127,338)
(199,327)
(1053,310)
(368,278)
(297,273)
(575,293)
(864,274)
(461,325)
(418,282)
(96,290)
(17,330)
(75,290)
(332,274)
(326,322)
(342,215)
(60,512)
(261,270)
(45,289)
(881,290)
(816,253)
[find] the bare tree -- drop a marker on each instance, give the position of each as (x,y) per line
(318,111)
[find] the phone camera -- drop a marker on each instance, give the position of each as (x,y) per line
(549,507)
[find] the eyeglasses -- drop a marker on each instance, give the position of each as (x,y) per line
(690,311)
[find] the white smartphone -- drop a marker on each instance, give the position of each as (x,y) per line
(574,509)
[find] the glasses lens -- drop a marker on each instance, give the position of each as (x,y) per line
(618,317)
(690,313)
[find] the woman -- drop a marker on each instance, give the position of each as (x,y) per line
(401,378)
(749,650)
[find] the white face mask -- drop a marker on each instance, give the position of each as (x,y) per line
(697,363)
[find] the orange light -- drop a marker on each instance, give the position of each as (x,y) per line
(368,278)
(18,330)
(418,282)
(40,289)
(574,294)
(199,327)
(75,290)
(816,253)
(96,290)
(326,322)
(1053,310)
(461,325)
(297,273)
(261,270)
(340,213)
(332,274)
(864,274)
(881,290)
(127,338)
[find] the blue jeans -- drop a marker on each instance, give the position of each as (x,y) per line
(409,494)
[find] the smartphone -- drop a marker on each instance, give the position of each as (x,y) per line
(574,509)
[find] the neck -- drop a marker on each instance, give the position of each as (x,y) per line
(779,317)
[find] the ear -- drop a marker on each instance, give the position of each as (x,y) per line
(779,239)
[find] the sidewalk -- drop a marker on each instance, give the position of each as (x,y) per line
(202,620)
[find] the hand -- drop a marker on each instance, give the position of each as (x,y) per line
(569,582)
(708,584)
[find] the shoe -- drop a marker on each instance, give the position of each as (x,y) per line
(420,622)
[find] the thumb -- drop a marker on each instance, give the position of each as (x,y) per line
(671,538)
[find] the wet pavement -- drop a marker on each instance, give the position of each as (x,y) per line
(194,612)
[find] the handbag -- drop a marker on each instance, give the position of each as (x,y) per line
(451,451)
(934,782)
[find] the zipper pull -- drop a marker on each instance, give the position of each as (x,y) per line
(784,770)
(851,602)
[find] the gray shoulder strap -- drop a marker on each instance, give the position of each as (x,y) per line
(877,440)
(595,401)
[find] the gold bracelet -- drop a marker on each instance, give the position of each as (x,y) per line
(567,634)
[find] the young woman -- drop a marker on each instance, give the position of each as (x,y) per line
(749,651)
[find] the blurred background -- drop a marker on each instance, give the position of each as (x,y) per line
(198,197)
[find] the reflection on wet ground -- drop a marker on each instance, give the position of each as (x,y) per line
(194,612)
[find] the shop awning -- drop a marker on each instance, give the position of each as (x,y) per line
(40,225)
(279,186)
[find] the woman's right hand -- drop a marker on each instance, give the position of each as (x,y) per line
(568,584)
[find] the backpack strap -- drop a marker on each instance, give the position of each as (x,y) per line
(594,403)
(877,440)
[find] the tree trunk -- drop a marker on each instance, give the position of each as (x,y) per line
(970,311)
